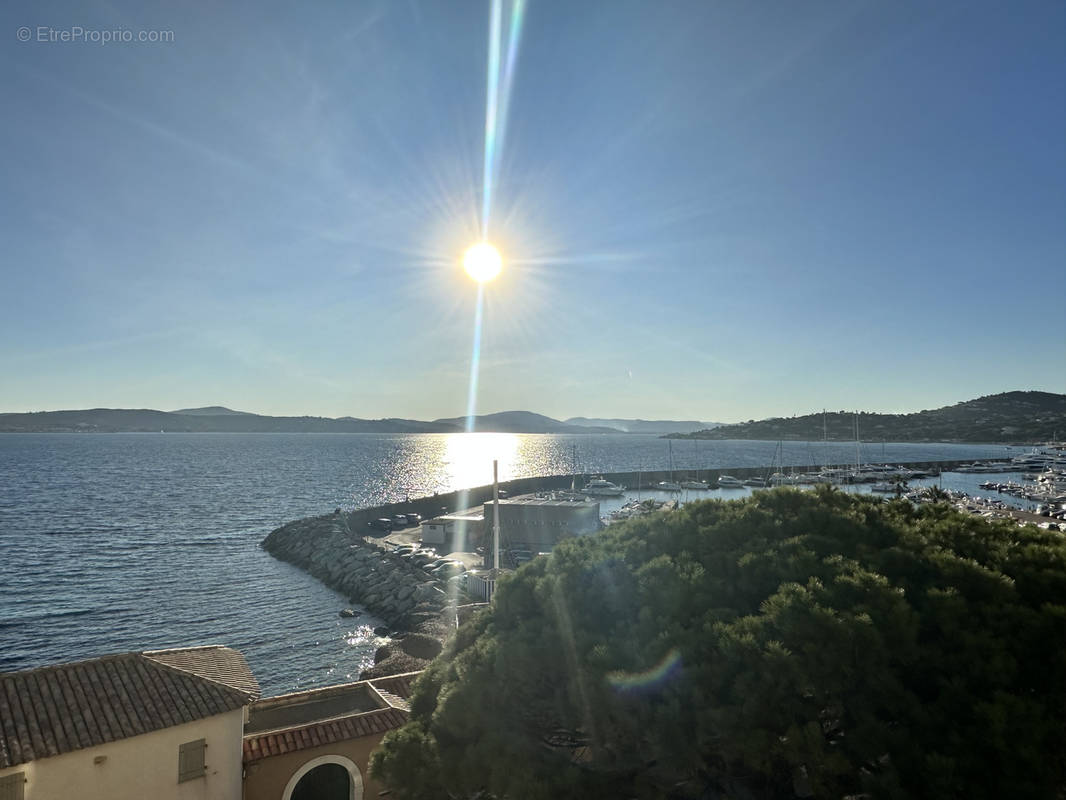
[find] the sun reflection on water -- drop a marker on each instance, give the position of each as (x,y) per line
(468,457)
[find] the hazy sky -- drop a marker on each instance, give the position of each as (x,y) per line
(712,210)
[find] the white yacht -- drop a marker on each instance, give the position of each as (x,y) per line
(603,488)
(695,485)
(668,486)
(729,482)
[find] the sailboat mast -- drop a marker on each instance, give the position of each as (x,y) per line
(825,442)
(858,457)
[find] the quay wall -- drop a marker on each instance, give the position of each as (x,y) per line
(450,502)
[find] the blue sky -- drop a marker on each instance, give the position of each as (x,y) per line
(712,210)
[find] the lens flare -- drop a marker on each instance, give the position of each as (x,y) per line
(501,68)
(669,666)
(482,262)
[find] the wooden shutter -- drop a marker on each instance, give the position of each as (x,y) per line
(191,760)
(11,786)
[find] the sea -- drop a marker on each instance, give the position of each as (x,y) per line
(134,541)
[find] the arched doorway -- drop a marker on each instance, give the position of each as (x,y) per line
(326,778)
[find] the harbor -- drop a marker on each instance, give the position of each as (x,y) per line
(183,516)
(615,491)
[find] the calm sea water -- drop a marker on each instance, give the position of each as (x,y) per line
(117,542)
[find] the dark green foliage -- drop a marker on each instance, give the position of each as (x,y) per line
(817,643)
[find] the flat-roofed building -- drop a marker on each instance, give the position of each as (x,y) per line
(539,522)
(459,530)
(156,724)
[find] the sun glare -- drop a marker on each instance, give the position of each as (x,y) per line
(482,262)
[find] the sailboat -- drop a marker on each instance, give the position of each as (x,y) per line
(669,485)
(695,483)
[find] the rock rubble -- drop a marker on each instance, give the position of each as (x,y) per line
(380,581)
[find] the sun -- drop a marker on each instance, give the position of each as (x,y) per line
(482,262)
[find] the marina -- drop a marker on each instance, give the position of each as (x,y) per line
(87,523)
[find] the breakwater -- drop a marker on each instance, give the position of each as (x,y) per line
(328,548)
(334,547)
(336,550)
(450,502)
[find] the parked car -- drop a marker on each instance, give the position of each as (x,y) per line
(405,549)
(399,521)
(382,524)
(448,569)
(413,518)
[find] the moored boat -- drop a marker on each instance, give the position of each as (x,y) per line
(695,485)
(604,488)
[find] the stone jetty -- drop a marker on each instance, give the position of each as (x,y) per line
(380,581)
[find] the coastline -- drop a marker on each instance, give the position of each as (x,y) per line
(335,549)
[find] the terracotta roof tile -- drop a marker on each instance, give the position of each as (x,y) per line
(221,664)
(316,734)
(59,709)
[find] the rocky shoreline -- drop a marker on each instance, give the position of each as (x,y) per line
(413,605)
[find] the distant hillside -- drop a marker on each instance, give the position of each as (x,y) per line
(1006,417)
(211,411)
(120,420)
(522,422)
(645,425)
(217,419)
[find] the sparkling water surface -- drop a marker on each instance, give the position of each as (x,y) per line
(118,542)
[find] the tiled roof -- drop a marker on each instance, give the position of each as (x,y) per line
(316,734)
(52,710)
(220,664)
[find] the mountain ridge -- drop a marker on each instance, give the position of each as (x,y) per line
(1006,417)
(1015,416)
(644,425)
(211,411)
(206,420)
(522,422)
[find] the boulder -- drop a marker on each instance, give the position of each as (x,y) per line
(421,646)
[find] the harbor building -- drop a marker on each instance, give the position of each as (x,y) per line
(452,529)
(537,522)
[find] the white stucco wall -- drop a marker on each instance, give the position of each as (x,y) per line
(144,767)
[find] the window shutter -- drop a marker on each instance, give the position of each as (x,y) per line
(190,760)
(11,786)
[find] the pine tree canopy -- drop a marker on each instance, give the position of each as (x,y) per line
(793,644)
